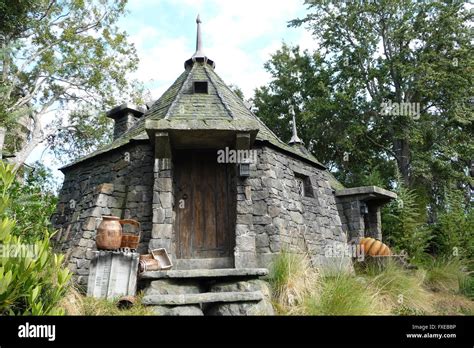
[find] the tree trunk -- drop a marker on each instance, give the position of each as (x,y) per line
(36,137)
(2,140)
(401,147)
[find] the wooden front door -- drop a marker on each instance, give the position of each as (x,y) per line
(205,210)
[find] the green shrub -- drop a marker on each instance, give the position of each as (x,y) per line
(466,287)
(454,230)
(31,282)
(32,203)
(403,226)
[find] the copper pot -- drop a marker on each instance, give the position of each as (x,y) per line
(109,232)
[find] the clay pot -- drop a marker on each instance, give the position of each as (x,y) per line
(374,247)
(109,232)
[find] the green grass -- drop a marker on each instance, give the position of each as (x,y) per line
(93,306)
(399,289)
(374,289)
(292,280)
(75,303)
(342,294)
(446,275)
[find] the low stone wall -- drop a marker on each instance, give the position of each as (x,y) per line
(118,183)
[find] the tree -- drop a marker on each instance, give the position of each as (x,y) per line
(60,55)
(389,87)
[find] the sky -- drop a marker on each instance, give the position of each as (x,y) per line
(238,35)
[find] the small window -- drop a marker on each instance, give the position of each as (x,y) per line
(303,182)
(200,87)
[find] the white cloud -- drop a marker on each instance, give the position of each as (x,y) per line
(239,37)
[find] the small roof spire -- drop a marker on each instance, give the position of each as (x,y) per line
(294,139)
(199,54)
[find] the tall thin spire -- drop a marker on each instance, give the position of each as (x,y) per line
(294,139)
(199,54)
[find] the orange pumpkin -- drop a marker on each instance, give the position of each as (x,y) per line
(374,247)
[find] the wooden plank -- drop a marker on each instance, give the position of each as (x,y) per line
(199,206)
(209,187)
(222,209)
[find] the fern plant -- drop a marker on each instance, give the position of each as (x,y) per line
(404,227)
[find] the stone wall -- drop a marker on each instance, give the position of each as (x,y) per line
(117,183)
(355,223)
(272,215)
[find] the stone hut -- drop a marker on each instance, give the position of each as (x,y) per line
(210,183)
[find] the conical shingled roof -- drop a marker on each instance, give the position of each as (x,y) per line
(220,108)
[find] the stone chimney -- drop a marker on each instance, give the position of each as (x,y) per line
(125,116)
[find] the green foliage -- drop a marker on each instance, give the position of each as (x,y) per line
(371,53)
(403,225)
(454,229)
(86,131)
(32,280)
(32,203)
(67,55)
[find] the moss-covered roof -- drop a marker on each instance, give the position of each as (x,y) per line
(220,104)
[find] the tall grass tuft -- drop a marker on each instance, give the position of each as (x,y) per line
(292,280)
(398,288)
(444,274)
(342,294)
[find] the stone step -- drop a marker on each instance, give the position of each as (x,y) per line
(206,273)
(206,297)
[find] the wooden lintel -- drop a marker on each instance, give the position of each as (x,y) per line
(242,141)
(162,145)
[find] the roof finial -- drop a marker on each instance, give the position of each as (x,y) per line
(199,54)
(294,139)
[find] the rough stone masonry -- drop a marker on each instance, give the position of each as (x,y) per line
(285,200)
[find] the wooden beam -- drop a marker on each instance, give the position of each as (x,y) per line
(242,141)
(162,145)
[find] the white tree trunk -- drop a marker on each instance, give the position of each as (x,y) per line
(2,140)
(37,137)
